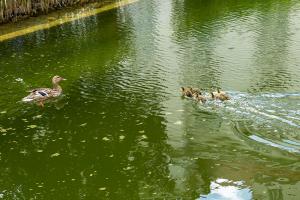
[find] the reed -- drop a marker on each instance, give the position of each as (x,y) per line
(13,10)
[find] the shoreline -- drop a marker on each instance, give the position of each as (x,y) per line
(56,18)
(15,10)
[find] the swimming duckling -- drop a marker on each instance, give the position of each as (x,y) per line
(39,95)
(221,95)
(187,91)
(195,91)
(199,97)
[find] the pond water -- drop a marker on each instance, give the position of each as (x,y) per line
(121,129)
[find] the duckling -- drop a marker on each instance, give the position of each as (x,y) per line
(39,95)
(199,97)
(195,91)
(187,91)
(221,95)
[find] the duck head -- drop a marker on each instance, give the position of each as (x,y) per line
(186,91)
(56,79)
(212,95)
(198,97)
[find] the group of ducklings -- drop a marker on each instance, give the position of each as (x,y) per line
(197,95)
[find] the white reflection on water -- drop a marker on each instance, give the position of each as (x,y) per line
(224,189)
(267,142)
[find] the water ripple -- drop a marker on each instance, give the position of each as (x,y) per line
(270,119)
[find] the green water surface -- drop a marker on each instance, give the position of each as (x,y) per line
(121,129)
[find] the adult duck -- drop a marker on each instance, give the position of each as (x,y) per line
(39,95)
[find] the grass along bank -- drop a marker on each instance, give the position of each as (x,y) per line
(13,10)
(11,31)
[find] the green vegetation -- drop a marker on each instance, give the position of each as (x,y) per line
(13,10)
